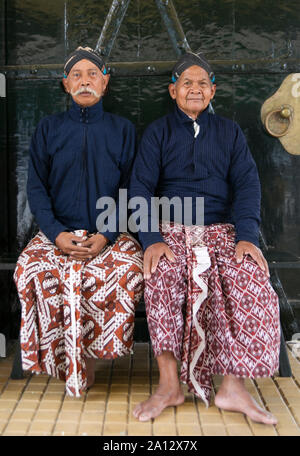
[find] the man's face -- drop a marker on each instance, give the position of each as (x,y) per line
(193,91)
(86,83)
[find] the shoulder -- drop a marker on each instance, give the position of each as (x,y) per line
(226,128)
(159,124)
(118,123)
(50,123)
(223,122)
(156,129)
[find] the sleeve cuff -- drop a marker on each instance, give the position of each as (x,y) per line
(110,236)
(54,232)
(249,238)
(146,241)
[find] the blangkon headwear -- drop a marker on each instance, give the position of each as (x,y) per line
(189,59)
(84,53)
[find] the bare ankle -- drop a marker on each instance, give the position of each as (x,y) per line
(168,390)
(168,375)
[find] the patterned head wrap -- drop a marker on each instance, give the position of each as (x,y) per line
(189,59)
(84,53)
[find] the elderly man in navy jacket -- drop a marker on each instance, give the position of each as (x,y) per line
(78,282)
(209,302)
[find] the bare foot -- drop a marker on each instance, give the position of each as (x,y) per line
(90,371)
(233,396)
(156,403)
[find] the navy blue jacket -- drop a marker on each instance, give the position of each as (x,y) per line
(77,157)
(216,165)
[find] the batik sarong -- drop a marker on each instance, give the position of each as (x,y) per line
(76,309)
(215,315)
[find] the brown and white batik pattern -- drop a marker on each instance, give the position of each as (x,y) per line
(74,309)
(215,315)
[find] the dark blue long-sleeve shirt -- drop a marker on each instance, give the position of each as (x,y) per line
(77,157)
(216,165)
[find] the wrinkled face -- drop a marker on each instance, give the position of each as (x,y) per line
(193,91)
(86,83)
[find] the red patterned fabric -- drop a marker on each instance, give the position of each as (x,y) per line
(216,315)
(72,309)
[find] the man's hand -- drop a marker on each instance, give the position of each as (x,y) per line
(68,243)
(247,248)
(152,256)
(94,244)
(80,248)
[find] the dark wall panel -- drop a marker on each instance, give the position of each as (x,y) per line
(28,101)
(35,32)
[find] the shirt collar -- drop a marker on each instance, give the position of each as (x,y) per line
(87,115)
(184,118)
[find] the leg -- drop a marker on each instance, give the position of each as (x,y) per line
(39,288)
(168,392)
(165,294)
(233,396)
(253,337)
(112,285)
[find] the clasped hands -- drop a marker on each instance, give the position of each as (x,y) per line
(155,251)
(81,248)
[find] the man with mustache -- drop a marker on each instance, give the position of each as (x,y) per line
(208,298)
(75,278)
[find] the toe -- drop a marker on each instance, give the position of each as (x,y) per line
(270,419)
(144,417)
(137,410)
(264,417)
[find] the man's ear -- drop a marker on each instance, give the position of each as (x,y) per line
(172,91)
(105,83)
(213,89)
(65,84)
(106,79)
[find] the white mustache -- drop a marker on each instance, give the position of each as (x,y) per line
(85,89)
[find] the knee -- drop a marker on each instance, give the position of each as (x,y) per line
(166,275)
